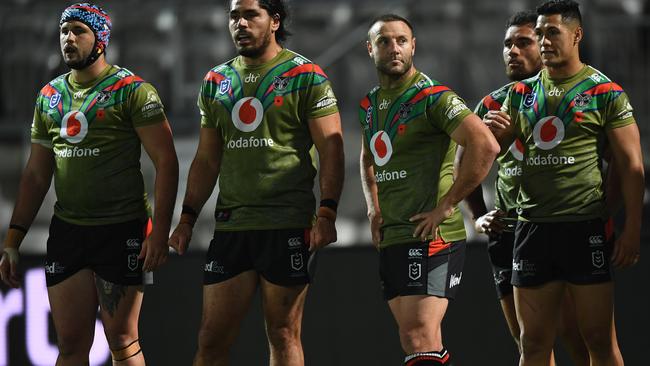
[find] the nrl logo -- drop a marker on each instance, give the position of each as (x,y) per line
(296,261)
(415,271)
(529,99)
(280,83)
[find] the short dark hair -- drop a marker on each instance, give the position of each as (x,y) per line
(279,8)
(569,9)
(522,18)
(392,18)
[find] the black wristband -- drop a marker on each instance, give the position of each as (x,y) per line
(188,210)
(329,203)
(18,227)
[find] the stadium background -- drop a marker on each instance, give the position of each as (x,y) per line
(173,43)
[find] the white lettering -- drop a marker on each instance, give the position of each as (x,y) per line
(251,142)
(455,280)
(385,176)
(515,171)
(76,152)
(550,160)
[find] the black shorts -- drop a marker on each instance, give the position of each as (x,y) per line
(576,252)
(500,253)
(422,268)
(111,251)
(282,257)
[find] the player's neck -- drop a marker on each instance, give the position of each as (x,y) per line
(570,68)
(387,81)
(272,50)
(91,72)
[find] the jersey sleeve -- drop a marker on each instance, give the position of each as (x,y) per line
(619,111)
(480,109)
(39,133)
(205,102)
(447,112)
(321,100)
(145,106)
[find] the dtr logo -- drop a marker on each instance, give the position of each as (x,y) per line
(381,148)
(548,132)
(74,127)
(247,114)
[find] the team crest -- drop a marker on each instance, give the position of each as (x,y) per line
(529,99)
(224,86)
(55,99)
(132,261)
(404,110)
(103,97)
(280,83)
(296,261)
(415,271)
(582,100)
(598,258)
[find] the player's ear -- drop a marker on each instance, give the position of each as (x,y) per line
(413,50)
(275,22)
(369,47)
(577,34)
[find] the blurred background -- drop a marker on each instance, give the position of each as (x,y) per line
(173,43)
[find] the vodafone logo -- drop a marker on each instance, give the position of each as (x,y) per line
(548,132)
(247,114)
(74,127)
(517,150)
(381,148)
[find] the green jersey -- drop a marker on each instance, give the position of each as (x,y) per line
(90,128)
(262,112)
(507,182)
(562,123)
(407,129)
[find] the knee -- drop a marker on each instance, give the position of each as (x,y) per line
(598,341)
(73,345)
(118,341)
(283,336)
(215,340)
(416,339)
(535,341)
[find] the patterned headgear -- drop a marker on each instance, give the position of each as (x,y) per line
(96,19)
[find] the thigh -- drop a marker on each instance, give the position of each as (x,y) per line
(418,311)
(594,306)
(119,310)
(225,304)
(282,257)
(283,305)
(538,307)
(74,307)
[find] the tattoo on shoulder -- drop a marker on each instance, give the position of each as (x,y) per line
(109,295)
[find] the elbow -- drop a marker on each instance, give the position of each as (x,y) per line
(492,147)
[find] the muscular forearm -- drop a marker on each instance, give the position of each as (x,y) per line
(477,161)
(632,184)
(166,186)
(31,191)
(332,168)
(200,183)
(369,186)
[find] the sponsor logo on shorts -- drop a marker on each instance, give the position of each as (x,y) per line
(132,261)
(455,280)
(133,243)
(596,241)
(415,253)
(415,271)
(598,258)
(524,266)
(54,268)
(296,261)
(502,276)
(294,242)
(214,267)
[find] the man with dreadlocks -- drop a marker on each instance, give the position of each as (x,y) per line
(87,131)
